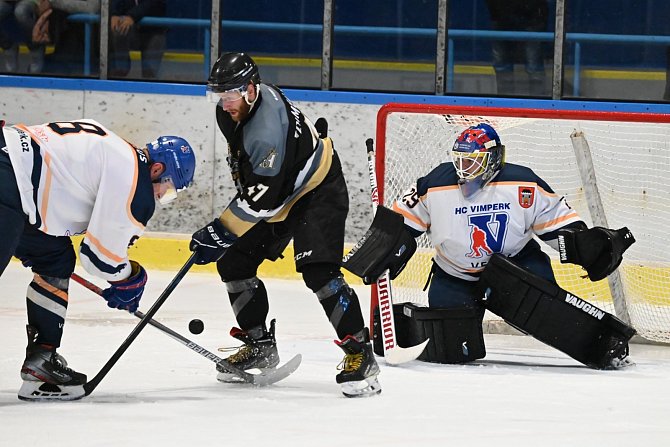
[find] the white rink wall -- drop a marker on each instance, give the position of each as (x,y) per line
(141,117)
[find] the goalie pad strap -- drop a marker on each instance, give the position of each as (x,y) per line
(552,315)
(387,245)
(599,250)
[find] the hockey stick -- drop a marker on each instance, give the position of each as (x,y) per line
(262,379)
(95,381)
(393,354)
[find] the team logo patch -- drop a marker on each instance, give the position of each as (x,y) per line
(487,234)
(185,149)
(269,161)
(526,196)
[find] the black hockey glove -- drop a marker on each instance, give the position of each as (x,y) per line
(387,245)
(211,242)
(126,294)
(599,250)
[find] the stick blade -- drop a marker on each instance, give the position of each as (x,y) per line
(279,373)
(266,377)
(398,355)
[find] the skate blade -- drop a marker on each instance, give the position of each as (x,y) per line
(362,388)
(226,377)
(32,390)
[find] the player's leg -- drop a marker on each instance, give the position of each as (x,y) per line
(152,45)
(119,54)
(533,259)
(318,223)
(13,219)
(44,372)
(249,299)
(452,322)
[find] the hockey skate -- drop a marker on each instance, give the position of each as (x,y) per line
(46,376)
(619,356)
(359,368)
(259,351)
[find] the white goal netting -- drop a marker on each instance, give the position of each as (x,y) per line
(628,157)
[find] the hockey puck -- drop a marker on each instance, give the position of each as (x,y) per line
(196,326)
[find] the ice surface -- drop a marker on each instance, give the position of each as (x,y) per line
(162,394)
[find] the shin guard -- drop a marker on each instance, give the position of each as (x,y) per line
(249,301)
(47,300)
(342,307)
(552,315)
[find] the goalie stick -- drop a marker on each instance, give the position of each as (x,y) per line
(393,354)
(267,377)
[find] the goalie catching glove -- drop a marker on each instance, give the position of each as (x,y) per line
(387,245)
(599,250)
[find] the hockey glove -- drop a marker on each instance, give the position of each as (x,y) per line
(599,250)
(126,294)
(211,242)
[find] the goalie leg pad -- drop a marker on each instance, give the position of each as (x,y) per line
(387,245)
(554,316)
(456,335)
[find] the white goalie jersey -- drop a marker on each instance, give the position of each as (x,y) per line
(501,218)
(80,178)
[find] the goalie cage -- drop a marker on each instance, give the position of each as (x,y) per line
(612,168)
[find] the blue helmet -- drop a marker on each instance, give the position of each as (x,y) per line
(478,156)
(177,156)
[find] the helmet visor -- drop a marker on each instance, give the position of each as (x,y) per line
(470,165)
(227,96)
(164,190)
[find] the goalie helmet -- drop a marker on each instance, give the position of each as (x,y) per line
(478,156)
(178,158)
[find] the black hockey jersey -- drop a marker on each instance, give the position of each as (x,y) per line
(275,157)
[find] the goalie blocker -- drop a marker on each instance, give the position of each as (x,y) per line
(554,316)
(387,245)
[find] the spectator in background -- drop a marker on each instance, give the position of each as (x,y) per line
(66,36)
(26,13)
(518,15)
(127,33)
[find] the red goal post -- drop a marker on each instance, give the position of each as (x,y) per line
(612,167)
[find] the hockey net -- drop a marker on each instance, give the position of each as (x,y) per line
(612,167)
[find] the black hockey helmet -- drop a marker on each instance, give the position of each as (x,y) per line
(233,71)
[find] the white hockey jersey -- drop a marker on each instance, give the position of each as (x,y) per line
(78,177)
(501,218)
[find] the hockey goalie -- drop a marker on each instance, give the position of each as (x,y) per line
(481,215)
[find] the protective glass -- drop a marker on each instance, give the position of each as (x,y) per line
(164,190)
(470,165)
(228,96)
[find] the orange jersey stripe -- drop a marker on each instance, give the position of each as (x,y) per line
(409,216)
(131,195)
(47,180)
(62,294)
(551,223)
(102,249)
